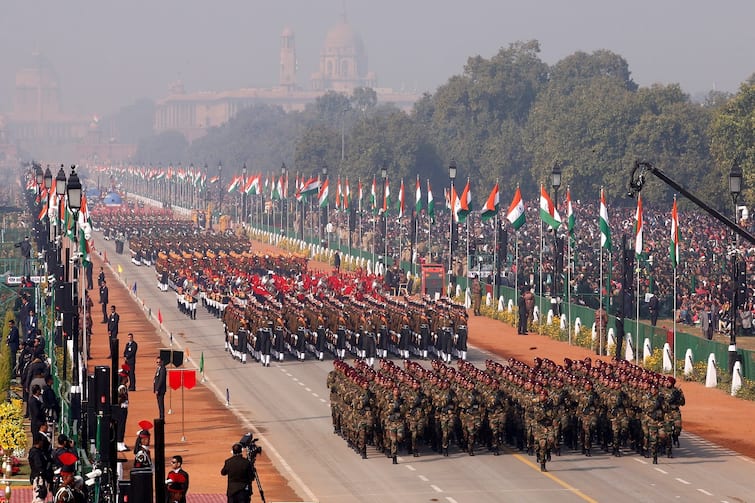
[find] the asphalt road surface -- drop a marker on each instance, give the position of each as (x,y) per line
(287,405)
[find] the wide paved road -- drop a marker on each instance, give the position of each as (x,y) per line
(287,404)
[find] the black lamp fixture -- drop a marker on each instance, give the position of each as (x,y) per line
(39,175)
(556,176)
(74,190)
(735,182)
(324,171)
(48,178)
(384,172)
(60,182)
(452,170)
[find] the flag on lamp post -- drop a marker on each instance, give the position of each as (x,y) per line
(418,197)
(548,212)
(373,196)
(430,203)
(386,196)
(491,205)
(400,203)
(638,227)
(322,198)
(605,229)
(515,215)
(570,218)
(674,245)
(464,203)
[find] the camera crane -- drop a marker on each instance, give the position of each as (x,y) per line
(637,181)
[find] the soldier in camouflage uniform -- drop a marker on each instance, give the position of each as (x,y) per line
(652,421)
(394,423)
(587,411)
(470,414)
(543,430)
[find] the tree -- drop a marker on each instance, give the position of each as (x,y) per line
(166,148)
(732,137)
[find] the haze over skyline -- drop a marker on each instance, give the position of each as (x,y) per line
(107,55)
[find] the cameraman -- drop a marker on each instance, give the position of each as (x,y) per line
(239,472)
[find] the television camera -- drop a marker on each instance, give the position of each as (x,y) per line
(252,451)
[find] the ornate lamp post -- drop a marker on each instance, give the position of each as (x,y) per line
(735,188)
(452,177)
(556,183)
(384,177)
(220,188)
(243,194)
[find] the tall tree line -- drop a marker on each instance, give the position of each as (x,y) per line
(507,118)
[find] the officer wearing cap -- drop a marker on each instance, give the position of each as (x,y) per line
(238,469)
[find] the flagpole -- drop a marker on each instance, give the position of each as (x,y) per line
(568,287)
(516,261)
(496,272)
(674,316)
(600,299)
(540,280)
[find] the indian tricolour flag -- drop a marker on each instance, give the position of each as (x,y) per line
(401,204)
(548,212)
(570,219)
(418,196)
(674,245)
(515,215)
(491,205)
(322,197)
(638,227)
(430,202)
(234,185)
(373,196)
(605,229)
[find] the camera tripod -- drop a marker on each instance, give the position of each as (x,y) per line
(256,477)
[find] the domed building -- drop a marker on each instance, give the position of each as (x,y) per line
(343,61)
(342,68)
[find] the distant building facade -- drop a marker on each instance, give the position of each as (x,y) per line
(38,126)
(343,68)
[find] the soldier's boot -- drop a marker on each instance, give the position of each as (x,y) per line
(364,452)
(542,466)
(415,452)
(668,449)
(676,439)
(587,452)
(655,455)
(395,462)
(496,452)
(445,451)
(616,451)
(548,455)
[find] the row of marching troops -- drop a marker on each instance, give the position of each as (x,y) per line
(538,408)
(301,320)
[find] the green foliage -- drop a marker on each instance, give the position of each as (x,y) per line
(5,365)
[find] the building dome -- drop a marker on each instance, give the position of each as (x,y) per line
(343,37)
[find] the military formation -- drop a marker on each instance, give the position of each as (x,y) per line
(542,408)
(272,307)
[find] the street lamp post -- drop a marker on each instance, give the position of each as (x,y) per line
(556,183)
(735,188)
(243,194)
(284,202)
(324,209)
(220,189)
(452,177)
(384,177)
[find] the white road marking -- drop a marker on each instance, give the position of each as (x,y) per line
(410,468)
(662,471)
(322,400)
(315,395)
(640,461)
(307,389)
(450,499)
(423,478)
(436,488)
(683,481)
(705,492)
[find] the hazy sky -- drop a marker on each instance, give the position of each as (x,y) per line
(107,53)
